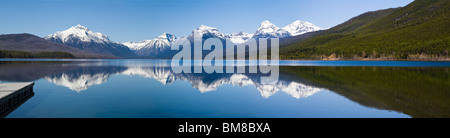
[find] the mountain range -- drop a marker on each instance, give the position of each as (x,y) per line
(418,31)
(80,41)
(160,46)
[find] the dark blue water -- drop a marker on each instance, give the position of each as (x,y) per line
(281,62)
(149,88)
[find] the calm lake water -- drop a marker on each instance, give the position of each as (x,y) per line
(139,88)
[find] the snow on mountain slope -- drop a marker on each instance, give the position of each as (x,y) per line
(157,46)
(134,46)
(164,40)
(300,27)
(266,30)
(269,30)
(206,32)
(80,32)
(239,38)
(82,38)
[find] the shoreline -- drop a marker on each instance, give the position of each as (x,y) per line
(366,59)
(376,59)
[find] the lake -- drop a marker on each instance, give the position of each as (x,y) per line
(145,88)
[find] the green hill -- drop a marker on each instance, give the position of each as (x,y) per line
(418,31)
(31,46)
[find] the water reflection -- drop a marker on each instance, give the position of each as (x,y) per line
(80,76)
(210,82)
(416,91)
(83,77)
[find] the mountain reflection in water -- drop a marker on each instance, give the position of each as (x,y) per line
(80,76)
(416,91)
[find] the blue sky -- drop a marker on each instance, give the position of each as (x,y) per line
(126,20)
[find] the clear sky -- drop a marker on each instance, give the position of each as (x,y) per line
(126,20)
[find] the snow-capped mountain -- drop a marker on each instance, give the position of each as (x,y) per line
(154,47)
(135,46)
(82,38)
(300,27)
(269,30)
(206,32)
(160,46)
(78,32)
(239,38)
